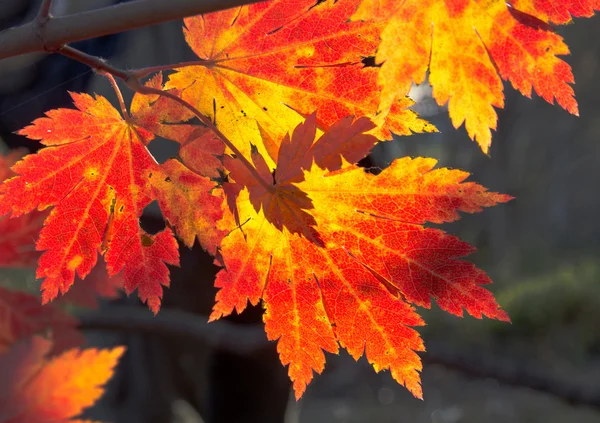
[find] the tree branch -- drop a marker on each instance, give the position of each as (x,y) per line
(247,339)
(58,31)
(233,338)
(508,372)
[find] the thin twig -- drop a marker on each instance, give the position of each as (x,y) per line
(96,63)
(62,30)
(144,72)
(44,12)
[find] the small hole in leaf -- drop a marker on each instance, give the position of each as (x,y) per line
(152,220)
(163,149)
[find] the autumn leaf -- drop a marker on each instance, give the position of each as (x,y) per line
(36,389)
(557,12)
(190,202)
(469,46)
(200,148)
(374,256)
(22,315)
(95,173)
(18,236)
(98,284)
(270,64)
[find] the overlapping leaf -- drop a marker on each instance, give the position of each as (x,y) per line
(98,284)
(22,315)
(35,389)
(190,202)
(557,12)
(96,174)
(17,236)
(469,46)
(268,64)
(17,240)
(337,254)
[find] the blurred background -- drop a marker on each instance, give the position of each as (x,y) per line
(542,250)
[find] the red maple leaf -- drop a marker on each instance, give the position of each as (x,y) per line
(18,236)
(22,315)
(96,174)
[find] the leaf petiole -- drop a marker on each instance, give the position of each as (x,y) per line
(131,79)
(142,89)
(115,86)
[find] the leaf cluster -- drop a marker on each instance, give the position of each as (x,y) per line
(268,182)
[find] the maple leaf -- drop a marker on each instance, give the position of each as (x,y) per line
(22,315)
(95,173)
(17,240)
(17,236)
(35,389)
(475,44)
(557,12)
(373,258)
(98,283)
(190,202)
(267,65)
(200,147)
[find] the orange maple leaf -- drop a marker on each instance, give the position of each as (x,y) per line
(269,64)
(373,258)
(22,315)
(469,46)
(96,174)
(35,389)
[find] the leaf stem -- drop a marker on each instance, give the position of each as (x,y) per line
(93,62)
(142,89)
(144,72)
(131,79)
(115,86)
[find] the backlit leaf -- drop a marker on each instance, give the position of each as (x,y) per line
(190,202)
(18,236)
(469,46)
(373,256)
(269,64)
(22,315)
(95,174)
(98,284)
(36,389)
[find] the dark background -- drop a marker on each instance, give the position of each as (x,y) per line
(541,250)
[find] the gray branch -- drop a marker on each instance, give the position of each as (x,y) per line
(246,339)
(224,335)
(51,34)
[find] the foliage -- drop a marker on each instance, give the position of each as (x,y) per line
(36,388)
(290,100)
